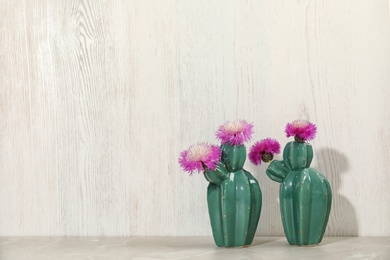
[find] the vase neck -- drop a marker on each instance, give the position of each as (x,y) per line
(233,156)
(298,155)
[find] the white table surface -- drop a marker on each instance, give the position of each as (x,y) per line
(188,248)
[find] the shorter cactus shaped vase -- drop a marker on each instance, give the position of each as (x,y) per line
(234,199)
(305,195)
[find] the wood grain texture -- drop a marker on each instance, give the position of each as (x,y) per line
(98,98)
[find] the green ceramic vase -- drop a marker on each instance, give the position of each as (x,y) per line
(305,195)
(234,199)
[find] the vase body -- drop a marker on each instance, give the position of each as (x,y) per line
(234,200)
(305,195)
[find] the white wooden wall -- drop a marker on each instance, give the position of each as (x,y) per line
(98,98)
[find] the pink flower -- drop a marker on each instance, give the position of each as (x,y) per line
(235,132)
(264,150)
(302,130)
(200,157)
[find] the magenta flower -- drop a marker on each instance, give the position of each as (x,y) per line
(235,132)
(200,157)
(302,130)
(264,150)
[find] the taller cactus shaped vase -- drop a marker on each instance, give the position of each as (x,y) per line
(305,194)
(234,199)
(233,195)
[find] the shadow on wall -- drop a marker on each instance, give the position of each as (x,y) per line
(342,219)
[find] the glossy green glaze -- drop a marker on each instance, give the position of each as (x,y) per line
(305,195)
(233,156)
(234,199)
(218,175)
(298,155)
(277,171)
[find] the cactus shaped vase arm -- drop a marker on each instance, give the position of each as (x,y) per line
(218,175)
(277,171)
